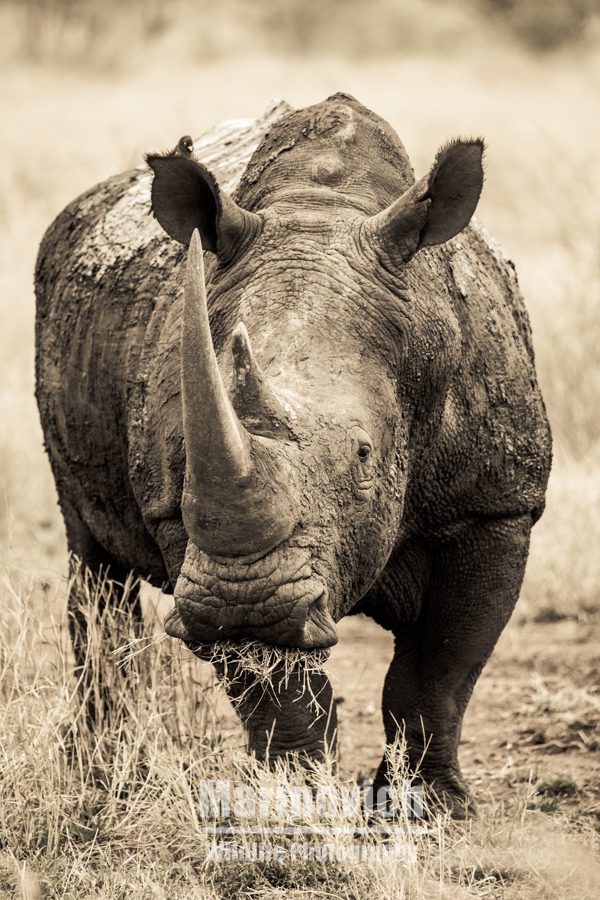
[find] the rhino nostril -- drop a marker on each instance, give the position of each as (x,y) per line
(320,604)
(319,628)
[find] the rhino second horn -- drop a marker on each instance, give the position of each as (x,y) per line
(253,395)
(234,502)
(252,391)
(247,370)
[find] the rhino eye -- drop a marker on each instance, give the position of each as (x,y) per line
(364,452)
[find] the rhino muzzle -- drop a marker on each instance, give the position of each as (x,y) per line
(277,599)
(308,627)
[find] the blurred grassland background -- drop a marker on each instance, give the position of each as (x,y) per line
(87,87)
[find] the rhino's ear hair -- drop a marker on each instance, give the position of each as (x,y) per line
(185,195)
(437,207)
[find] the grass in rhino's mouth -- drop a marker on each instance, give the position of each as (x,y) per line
(262,660)
(247,666)
(243,667)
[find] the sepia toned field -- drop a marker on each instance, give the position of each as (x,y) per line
(117,818)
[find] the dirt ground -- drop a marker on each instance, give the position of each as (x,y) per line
(533,722)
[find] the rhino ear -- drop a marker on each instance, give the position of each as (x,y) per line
(185,196)
(437,207)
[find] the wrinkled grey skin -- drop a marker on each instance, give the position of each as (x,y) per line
(397,446)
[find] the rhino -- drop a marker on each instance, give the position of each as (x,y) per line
(303,388)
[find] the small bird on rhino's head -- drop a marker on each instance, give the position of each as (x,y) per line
(185,147)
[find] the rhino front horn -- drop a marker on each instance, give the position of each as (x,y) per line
(237,499)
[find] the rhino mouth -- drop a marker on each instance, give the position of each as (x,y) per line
(311,627)
(317,633)
(277,600)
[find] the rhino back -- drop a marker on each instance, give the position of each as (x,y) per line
(337,152)
(107,314)
(94,298)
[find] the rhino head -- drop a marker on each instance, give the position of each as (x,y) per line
(329,355)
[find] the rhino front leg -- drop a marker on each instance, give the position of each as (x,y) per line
(104,610)
(286,716)
(474,583)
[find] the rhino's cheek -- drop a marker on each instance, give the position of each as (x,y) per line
(366,543)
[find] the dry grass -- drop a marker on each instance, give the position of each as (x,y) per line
(244,667)
(118,812)
(563,572)
(116,816)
